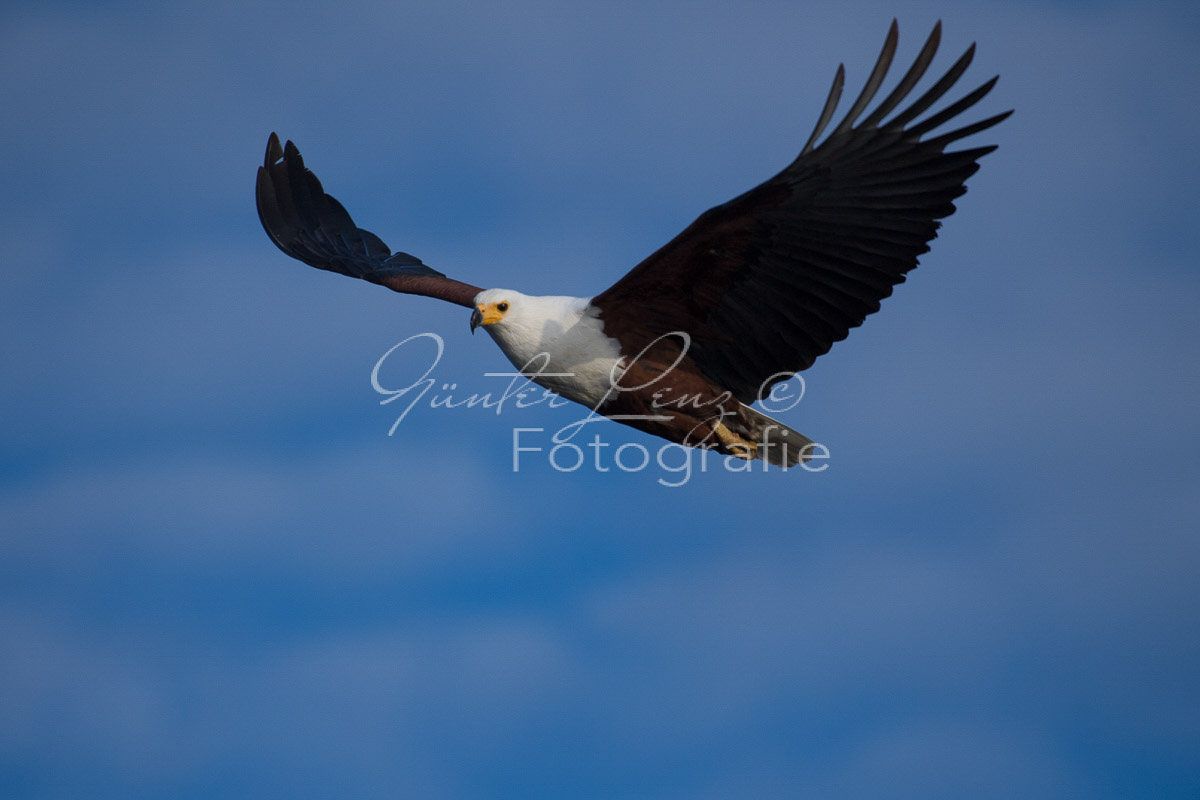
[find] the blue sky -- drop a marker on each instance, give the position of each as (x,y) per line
(219,576)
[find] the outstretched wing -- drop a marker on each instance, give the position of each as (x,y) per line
(767,282)
(311,226)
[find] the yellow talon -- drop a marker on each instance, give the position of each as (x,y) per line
(736,445)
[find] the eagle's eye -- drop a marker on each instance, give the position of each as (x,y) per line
(502,307)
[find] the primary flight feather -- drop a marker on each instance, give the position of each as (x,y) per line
(749,294)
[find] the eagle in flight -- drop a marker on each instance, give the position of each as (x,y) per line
(749,294)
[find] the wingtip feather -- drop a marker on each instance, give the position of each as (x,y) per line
(274,151)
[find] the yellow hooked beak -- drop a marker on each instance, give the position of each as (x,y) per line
(485,315)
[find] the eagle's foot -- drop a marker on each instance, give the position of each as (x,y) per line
(735,445)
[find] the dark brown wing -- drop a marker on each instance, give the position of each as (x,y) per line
(767,282)
(311,226)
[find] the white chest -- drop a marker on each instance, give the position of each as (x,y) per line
(562,348)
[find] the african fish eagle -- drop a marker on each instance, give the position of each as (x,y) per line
(749,294)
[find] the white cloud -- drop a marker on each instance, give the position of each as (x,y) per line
(336,514)
(939,758)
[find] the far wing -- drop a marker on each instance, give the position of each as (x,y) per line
(311,226)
